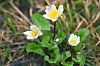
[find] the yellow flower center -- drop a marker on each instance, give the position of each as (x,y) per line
(35,32)
(54,13)
(73,41)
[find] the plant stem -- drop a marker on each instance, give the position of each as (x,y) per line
(54,30)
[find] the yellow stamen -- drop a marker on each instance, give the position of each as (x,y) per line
(79,53)
(35,32)
(54,13)
(73,41)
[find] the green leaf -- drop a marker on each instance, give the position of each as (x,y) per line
(41,22)
(38,41)
(31,2)
(45,41)
(83,33)
(33,47)
(53,47)
(74,59)
(68,63)
(47,33)
(60,36)
(55,55)
(78,47)
(64,56)
(80,59)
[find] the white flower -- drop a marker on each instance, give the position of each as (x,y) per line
(74,40)
(52,13)
(34,33)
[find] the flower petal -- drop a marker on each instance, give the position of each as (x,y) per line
(53,6)
(40,33)
(46,16)
(69,40)
(28,37)
(71,36)
(36,36)
(59,15)
(61,8)
(73,44)
(48,9)
(27,32)
(33,27)
(78,40)
(53,20)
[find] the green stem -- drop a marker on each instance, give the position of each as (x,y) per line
(54,30)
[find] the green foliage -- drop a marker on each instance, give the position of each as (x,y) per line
(41,22)
(98,29)
(45,41)
(80,59)
(61,36)
(9,23)
(69,63)
(47,33)
(78,47)
(3,58)
(33,47)
(83,33)
(97,13)
(90,59)
(55,55)
(31,2)
(65,55)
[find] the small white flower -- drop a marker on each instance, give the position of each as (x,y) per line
(74,40)
(52,13)
(57,39)
(34,33)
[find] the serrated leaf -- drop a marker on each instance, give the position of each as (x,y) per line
(60,36)
(33,47)
(83,33)
(41,22)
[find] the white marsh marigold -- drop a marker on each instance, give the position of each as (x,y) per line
(34,33)
(52,13)
(74,40)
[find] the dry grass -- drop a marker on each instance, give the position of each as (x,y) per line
(14,21)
